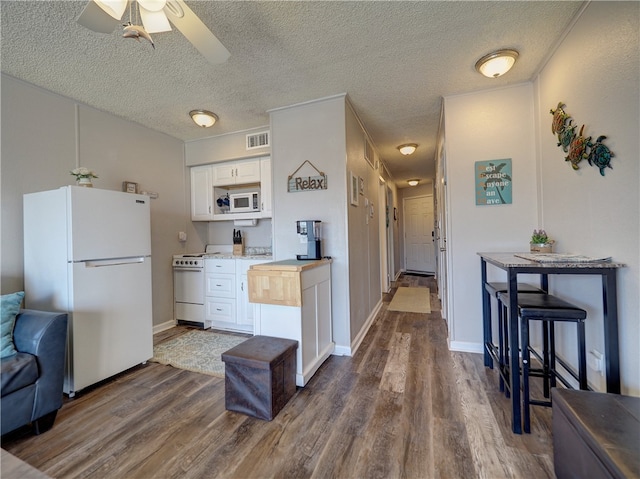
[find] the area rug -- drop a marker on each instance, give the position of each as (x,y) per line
(411,300)
(197,351)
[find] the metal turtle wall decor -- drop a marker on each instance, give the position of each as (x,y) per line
(578,146)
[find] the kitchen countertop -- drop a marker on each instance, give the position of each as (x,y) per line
(291,265)
(231,256)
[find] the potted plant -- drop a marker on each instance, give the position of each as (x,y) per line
(540,242)
(83,176)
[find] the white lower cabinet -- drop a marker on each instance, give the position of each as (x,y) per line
(227,304)
(293,301)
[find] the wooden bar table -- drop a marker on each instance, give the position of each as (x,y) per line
(544,265)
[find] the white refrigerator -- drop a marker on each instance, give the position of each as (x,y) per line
(87,252)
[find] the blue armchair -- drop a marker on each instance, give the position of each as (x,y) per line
(32,379)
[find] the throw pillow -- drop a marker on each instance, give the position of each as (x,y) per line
(10,307)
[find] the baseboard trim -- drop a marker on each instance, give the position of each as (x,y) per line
(466,347)
(158,328)
(355,344)
(341,351)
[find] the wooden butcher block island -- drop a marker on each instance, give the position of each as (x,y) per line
(293,301)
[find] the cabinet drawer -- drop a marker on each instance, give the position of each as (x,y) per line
(215,265)
(220,285)
(220,309)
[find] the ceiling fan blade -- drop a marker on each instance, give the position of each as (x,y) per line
(95,18)
(196,32)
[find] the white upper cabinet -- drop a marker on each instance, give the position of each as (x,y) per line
(265,187)
(208,182)
(201,193)
(236,173)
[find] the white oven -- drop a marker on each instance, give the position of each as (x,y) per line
(188,288)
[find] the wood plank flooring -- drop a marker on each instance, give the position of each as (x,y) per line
(403,406)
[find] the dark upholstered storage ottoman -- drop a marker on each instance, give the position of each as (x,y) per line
(260,376)
(595,435)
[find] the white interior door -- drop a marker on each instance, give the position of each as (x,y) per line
(384,223)
(391,269)
(419,234)
(441,236)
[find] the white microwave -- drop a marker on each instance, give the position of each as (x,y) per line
(244,202)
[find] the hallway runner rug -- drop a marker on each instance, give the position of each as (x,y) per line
(411,300)
(197,350)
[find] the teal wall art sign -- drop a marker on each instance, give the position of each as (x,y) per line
(493,182)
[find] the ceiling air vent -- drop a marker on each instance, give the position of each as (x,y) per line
(258,140)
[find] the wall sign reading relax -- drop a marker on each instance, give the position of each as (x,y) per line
(493,182)
(307,182)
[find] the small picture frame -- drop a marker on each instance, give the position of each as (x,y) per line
(353,190)
(129,187)
(361,185)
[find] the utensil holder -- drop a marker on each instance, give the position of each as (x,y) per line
(238,249)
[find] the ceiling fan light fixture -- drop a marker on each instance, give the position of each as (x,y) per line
(497,63)
(174,8)
(114,8)
(413,182)
(408,148)
(152,5)
(203,118)
(154,22)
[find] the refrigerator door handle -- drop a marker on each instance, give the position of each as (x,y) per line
(113,261)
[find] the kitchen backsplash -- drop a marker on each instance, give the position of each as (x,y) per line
(257,250)
(259,236)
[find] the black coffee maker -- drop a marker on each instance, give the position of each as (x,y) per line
(309,232)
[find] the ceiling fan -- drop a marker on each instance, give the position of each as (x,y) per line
(104,15)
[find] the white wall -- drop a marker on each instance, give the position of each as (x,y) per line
(328,133)
(38,151)
(230,146)
(488,125)
(595,72)
(365,290)
(314,131)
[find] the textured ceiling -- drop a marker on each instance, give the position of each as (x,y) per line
(395,60)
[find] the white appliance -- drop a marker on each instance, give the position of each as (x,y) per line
(87,252)
(188,288)
(189,285)
(244,202)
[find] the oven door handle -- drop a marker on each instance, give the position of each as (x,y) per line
(195,270)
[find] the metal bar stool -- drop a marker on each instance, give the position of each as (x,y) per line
(500,352)
(548,309)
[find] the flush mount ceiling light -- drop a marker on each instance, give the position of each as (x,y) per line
(408,148)
(497,63)
(413,182)
(203,118)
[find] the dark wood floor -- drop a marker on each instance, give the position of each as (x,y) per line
(403,406)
